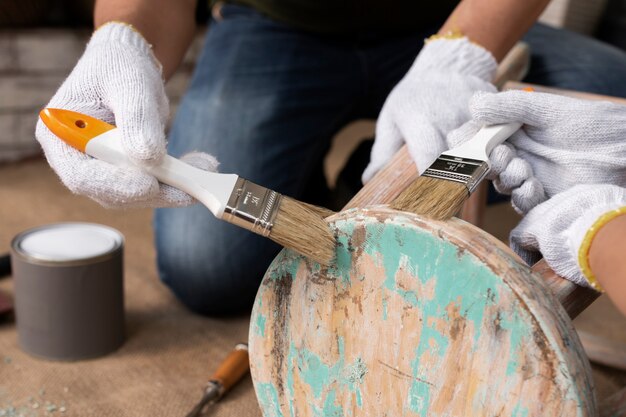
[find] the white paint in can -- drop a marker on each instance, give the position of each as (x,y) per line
(70,242)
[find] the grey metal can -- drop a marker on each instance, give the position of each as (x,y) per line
(69,291)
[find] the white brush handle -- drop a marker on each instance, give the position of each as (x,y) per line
(210,188)
(488,137)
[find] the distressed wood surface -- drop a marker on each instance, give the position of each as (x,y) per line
(416,318)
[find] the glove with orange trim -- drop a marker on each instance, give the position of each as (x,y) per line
(118,80)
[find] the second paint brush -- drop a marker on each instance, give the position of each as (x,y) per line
(442,189)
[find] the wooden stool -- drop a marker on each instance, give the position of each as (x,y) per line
(416,318)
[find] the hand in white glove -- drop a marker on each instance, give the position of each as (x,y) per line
(430,101)
(563,227)
(117,80)
(564,142)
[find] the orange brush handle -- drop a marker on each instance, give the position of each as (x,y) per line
(75,129)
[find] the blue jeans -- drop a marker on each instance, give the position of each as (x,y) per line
(266,100)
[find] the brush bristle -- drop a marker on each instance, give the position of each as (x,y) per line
(302,229)
(323,212)
(432,197)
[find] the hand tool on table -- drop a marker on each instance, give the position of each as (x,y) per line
(290,223)
(232,369)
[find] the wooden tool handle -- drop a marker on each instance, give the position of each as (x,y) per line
(233,368)
(514,66)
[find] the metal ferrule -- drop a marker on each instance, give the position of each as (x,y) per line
(214,389)
(252,207)
(464,170)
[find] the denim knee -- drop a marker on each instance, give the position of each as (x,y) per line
(212,267)
(565,59)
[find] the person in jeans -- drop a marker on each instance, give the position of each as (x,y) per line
(274,82)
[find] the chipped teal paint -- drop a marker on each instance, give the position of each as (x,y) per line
(325,379)
(519,333)
(268,399)
(429,334)
(384,298)
(315,373)
(260,325)
(458,279)
(520,411)
(261,320)
(331,409)
(434,261)
(343,255)
(353,374)
(419,398)
(359,399)
(293,354)
(285,263)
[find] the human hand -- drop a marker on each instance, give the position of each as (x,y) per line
(564,142)
(562,229)
(117,80)
(430,101)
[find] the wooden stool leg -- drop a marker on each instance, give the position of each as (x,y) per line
(473,210)
(615,405)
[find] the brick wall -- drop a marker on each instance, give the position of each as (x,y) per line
(33,64)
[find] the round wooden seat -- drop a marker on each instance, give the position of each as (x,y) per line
(415,318)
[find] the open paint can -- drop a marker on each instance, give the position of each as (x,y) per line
(69,294)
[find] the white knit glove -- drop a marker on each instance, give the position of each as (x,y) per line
(117,80)
(430,101)
(564,142)
(559,227)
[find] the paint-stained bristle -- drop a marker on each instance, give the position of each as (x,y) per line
(302,229)
(431,197)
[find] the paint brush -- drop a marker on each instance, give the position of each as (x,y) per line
(286,221)
(439,193)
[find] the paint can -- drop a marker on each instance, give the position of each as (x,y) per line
(69,295)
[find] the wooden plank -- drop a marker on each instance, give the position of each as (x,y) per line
(604,351)
(574,298)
